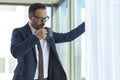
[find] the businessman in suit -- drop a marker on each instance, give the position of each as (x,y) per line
(24,47)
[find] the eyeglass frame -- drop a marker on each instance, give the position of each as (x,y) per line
(41,18)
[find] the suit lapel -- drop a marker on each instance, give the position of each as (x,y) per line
(52,45)
(28,33)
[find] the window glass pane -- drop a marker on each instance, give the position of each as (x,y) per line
(72,55)
(79,42)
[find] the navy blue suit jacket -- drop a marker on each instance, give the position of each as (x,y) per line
(23,49)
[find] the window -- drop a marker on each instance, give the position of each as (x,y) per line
(69,15)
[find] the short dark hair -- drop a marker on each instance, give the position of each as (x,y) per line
(33,7)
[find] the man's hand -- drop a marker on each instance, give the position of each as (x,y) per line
(41,33)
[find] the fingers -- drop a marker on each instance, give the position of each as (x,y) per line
(41,33)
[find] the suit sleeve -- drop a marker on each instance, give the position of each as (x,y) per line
(21,45)
(71,35)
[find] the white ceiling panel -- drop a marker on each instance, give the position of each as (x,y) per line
(27,2)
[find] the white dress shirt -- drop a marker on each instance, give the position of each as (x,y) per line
(45,50)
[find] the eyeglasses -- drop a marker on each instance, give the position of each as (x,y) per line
(41,18)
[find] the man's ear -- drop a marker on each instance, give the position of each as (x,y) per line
(30,16)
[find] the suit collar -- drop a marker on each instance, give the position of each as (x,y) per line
(28,30)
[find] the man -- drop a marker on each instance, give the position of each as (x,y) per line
(25,49)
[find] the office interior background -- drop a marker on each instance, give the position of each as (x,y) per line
(94,55)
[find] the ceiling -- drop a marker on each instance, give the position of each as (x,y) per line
(27,2)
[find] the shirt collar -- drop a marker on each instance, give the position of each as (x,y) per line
(32,29)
